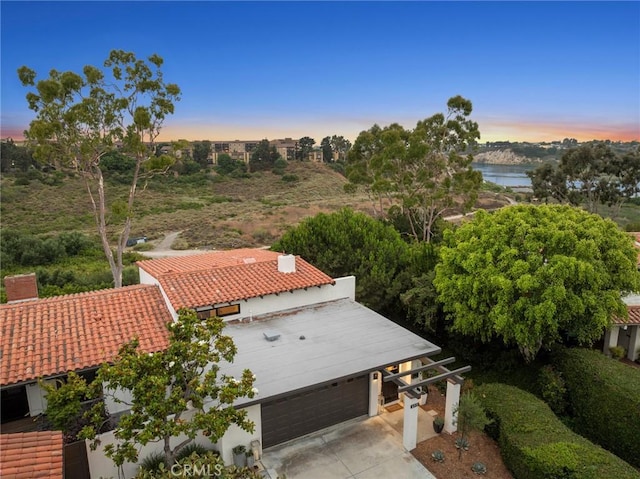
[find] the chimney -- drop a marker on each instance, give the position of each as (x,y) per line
(287,263)
(21,287)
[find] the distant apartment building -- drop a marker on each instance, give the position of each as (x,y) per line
(236,149)
(243,149)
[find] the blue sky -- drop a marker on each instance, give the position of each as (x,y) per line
(534,71)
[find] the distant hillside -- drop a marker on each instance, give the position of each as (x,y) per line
(504,157)
(210,211)
(505,153)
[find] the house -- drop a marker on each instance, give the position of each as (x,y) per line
(320,358)
(47,338)
(626,334)
(31,455)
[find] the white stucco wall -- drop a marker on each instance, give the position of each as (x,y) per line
(343,288)
(110,402)
(236,436)
(101,466)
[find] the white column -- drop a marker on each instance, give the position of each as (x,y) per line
(375,388)
(452,400)
(416,363)
(634,343)
(410,424)
(406,366)
(610,338)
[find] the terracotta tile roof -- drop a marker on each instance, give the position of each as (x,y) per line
(199,262)
(233,283)
(634,315)
(30,455)
(51,336)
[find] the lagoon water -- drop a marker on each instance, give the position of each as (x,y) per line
(505,175)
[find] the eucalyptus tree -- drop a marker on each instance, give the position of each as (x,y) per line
(80,117)
(421,172)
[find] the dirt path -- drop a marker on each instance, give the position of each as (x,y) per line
(163,249)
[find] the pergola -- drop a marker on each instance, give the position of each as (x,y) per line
(413,390)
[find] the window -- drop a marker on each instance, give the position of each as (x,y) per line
(227,310)
(221,311)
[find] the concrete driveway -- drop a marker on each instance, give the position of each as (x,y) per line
(365,448)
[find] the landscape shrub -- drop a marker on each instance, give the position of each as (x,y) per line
(535,444)
(290,178)
(553,389)
(204,465)
(604,399)
(617,352)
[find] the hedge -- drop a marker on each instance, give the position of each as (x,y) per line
(535,444)
(604,400)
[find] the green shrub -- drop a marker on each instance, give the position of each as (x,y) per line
(535,444)
(144,247)
(290,178)
(604,399)
(617,352)
(553,389)
(152,462)
(632,226)
(200,466)
(189,449)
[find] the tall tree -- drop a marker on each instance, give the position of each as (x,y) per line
(166,385)
(536,275)
(350,243)
(263,157)
(81,117)
(341,146)
(201,152)
(422,172)
(305,146)
(14,156)
(589,175)
(327,151)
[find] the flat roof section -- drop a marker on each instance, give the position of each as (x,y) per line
(341,338)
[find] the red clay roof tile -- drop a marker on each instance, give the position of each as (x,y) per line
(226,276)
(205,261)
(51,336)
(634,316)
(31,455)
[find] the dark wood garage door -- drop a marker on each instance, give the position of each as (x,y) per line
(293,416)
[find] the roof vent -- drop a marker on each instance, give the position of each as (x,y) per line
(271,335)
(287,263)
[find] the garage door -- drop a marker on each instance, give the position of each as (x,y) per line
(293,416)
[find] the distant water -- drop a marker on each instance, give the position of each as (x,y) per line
(505,175)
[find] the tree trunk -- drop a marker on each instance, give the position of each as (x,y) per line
(99,213)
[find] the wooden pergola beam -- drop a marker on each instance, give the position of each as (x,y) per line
(442,362)
(434,379)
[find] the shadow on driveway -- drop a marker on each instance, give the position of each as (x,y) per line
(363,448)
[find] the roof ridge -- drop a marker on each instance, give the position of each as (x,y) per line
(97,292)
(218,268)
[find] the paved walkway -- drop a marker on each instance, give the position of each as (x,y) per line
(364,448)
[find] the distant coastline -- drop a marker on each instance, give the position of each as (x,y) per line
(505,157)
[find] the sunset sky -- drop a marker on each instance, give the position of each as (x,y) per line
(536,71)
